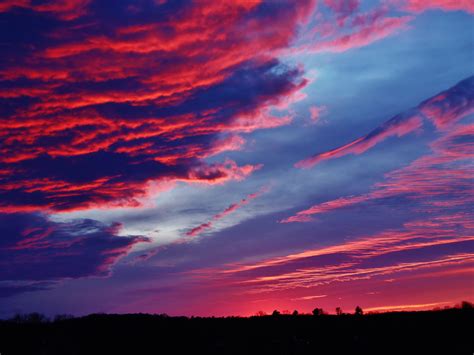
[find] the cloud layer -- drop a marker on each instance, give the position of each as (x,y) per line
(93,111)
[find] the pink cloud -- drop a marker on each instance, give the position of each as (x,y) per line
(395,127)
(342,8)
(360,258)
(450,106)
(433,182)
(306,215)
(316,112)
(446,5)
(232,208)
(443,110)
(364,36)
(348,28)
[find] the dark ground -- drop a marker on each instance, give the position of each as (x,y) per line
(435,332)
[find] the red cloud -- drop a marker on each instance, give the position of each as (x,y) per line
(109,192)
(101,110)
(9,4)
(63,9)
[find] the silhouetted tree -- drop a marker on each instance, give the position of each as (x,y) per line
(260,314)
(276,313)
(124,334)
(61,317)
(318,312)
(30,318)
(466,305)
(358,311)
(17,318)
(295,312)
(338,311)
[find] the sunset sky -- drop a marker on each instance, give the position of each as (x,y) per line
(228,157)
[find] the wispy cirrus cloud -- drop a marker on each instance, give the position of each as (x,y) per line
(415,247)
(346,27)
(441,110)
(435,188)
(432,183)
(446,5)
(343,8)
(397,126)
(232,208)
(362,35)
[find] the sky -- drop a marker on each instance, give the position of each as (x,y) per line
(223,158)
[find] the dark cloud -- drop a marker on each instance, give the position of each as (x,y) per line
(8,289)
(34,250)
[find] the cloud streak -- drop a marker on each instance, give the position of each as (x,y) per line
(362,36)
(433,183)
(435,188)
(229,210)
(446,5)
(414,248)
(443,109)
(345,27)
